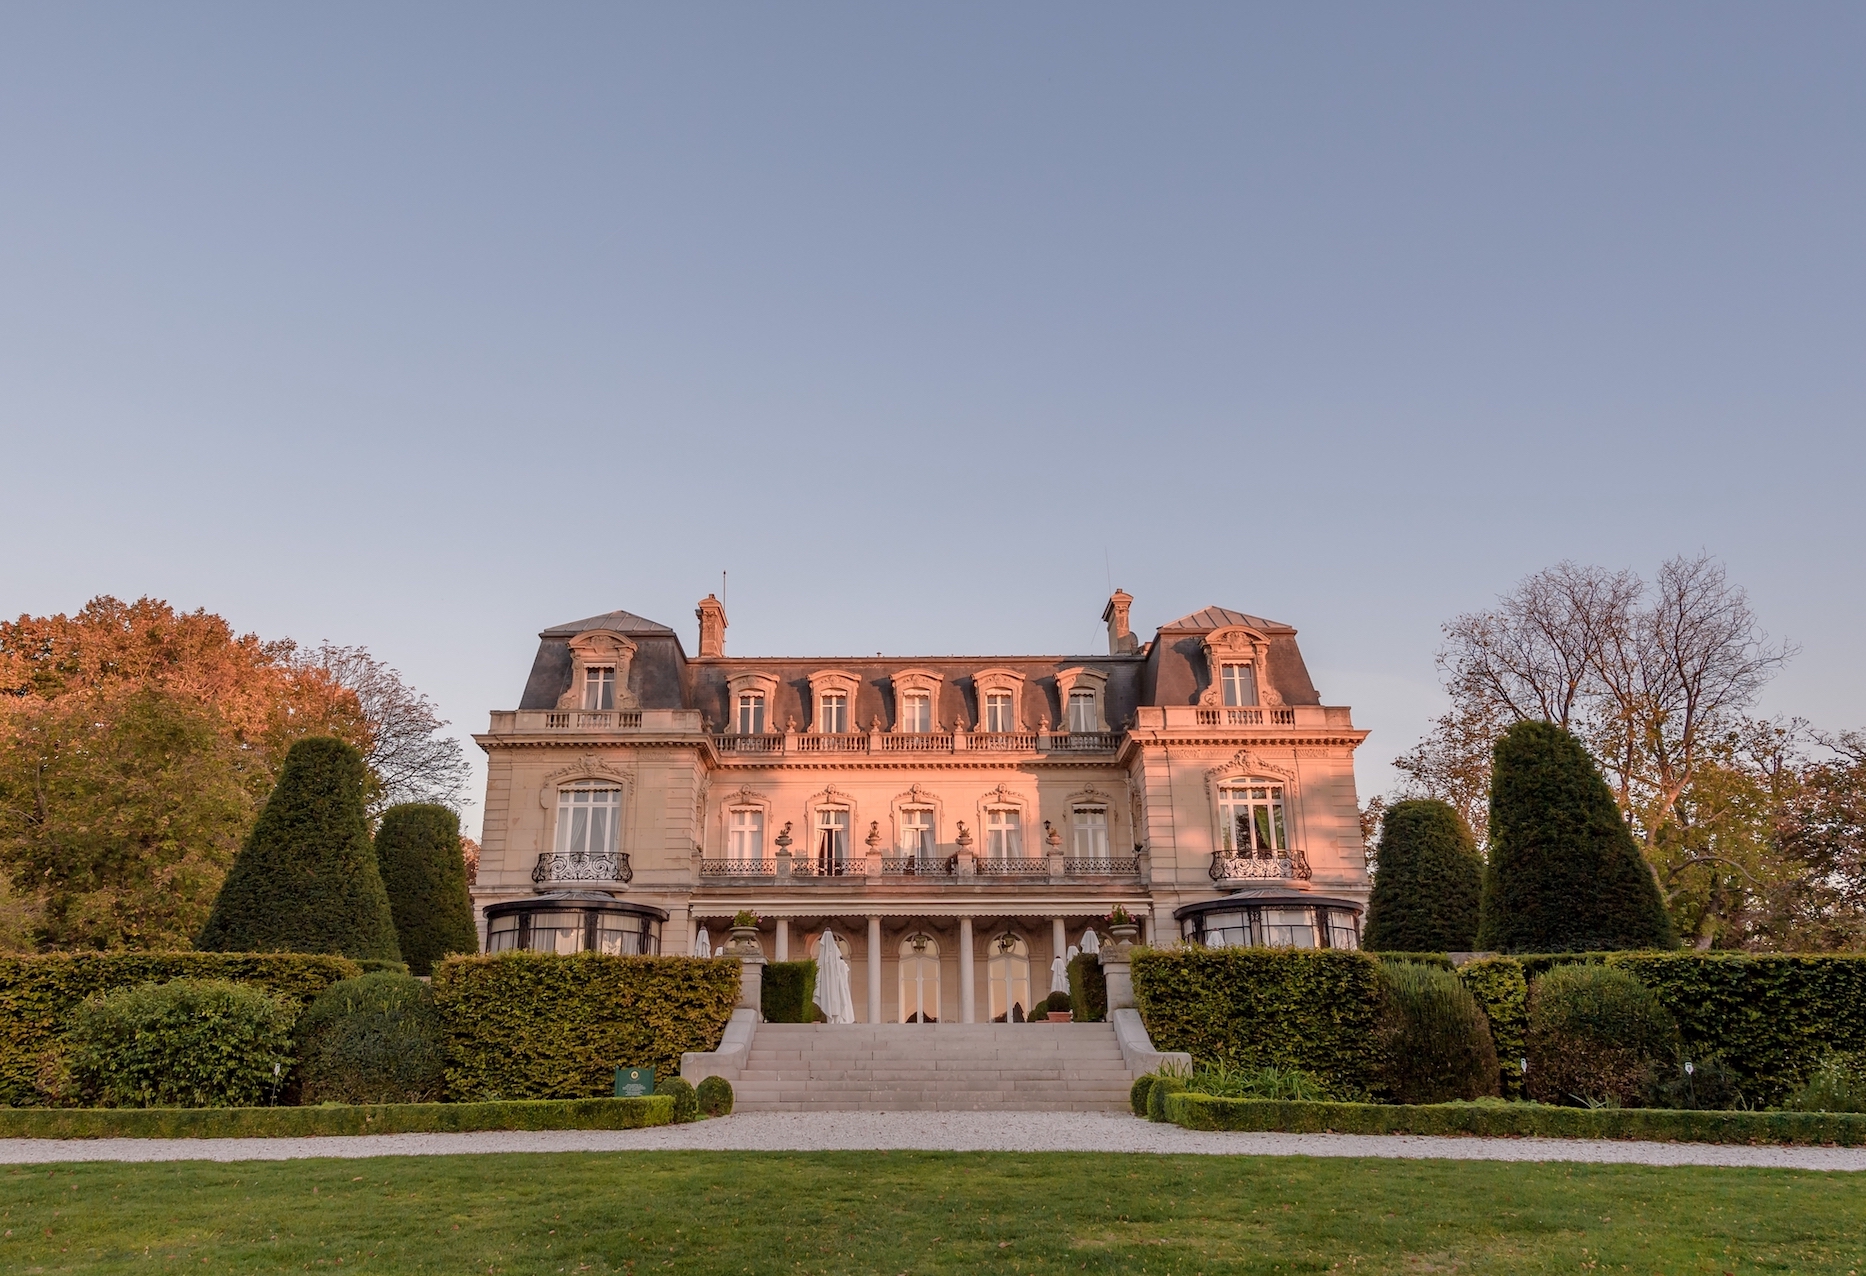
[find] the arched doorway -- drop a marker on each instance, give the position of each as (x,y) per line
(919,979)
(1007,979)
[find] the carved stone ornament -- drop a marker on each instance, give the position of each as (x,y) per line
(587,767)
(1247,762)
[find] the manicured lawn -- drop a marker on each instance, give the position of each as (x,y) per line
(924,1212)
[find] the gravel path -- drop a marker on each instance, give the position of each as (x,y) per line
(932,1131)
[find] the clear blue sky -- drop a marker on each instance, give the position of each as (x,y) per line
(423,327)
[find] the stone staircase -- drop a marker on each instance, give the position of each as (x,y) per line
(933,1068)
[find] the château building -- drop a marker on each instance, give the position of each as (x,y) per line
(953,822)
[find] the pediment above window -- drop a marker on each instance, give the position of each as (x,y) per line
(1237,644)
(1245,764)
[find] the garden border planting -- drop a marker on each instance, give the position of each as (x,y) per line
(379,1118)
(1514,1120)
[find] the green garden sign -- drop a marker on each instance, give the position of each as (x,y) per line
(633,1083)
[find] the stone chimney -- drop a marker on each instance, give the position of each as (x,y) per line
(712,614)
(1121,639)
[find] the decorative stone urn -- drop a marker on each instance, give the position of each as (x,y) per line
(1123,938)
(744,942)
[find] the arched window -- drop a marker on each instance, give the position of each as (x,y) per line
(1007,977)
(589,818)
(919,963)
(1250,819)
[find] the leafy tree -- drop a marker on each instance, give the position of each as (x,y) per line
(418,852)
(409,759)
(119,814)
(1425,896)
(1564,874)
(306,879)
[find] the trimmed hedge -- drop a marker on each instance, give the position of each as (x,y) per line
(1433,1036)
(1425,894)
(306,880)
(1516,1120)
(1596,1035)
(523,1025)
(382,1118)
(418,855)
(715,1097)
(1088,988)
(787,990)
(1317,1010)
(188,1043)
(1501,991)
(371,1040)
(39,995)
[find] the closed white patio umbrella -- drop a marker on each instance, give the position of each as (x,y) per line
(832,982)
(1059,975)
(702,944)
(1091,942)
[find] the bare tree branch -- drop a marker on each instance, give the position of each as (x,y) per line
(408,754)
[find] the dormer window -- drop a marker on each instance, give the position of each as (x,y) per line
(599,687)
(999,712)
(917,712)
(751,720)
(833,691)
(1083,715)
(1240,683)
(832,713)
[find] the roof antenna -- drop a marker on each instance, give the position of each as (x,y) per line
(722,590)
(1106,567)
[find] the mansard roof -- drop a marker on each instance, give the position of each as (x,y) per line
(1210,618)
(621,622)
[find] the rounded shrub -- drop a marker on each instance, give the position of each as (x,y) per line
(376,1039)
(1596,1036)
(1156,1097)
(188,1043)
(1434,1040)
(1057,1003)
(1430,877)
(715,1097)
(1137,1093)
(418,853)
(686,1101)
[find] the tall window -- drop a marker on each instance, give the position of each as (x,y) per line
(917,835)
(1088,827)
(751,713)
(1004,836)
(599,688)
(832,713)
(588,819)
(1240,684)
(1082,715)
(998,712)
(917,712)
(919,963)
(1007,979)
(832,841)
(1251,819)
(745,841)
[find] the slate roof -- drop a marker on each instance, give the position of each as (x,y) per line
(621,622)
(1219,617)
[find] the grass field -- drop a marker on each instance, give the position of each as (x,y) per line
(924,1212)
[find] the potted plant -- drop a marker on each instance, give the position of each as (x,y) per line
(745,933)
(1058,1005)
(1123,927)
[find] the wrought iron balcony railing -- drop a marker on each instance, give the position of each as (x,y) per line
(1245,866)
(583,866)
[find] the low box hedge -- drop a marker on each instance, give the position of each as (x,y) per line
(39,993)
(524,1025)
(1515,1120)
(383,1118)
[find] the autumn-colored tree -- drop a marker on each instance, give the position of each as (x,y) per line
(119,815)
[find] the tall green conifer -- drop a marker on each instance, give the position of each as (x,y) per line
(418,851)
(1565,874)
(1430,876)
(306,879)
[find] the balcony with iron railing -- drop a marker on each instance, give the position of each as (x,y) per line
(583,866)
(897,743)
(1267,866)
(960,867)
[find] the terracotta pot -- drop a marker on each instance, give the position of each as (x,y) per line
(1060,1016)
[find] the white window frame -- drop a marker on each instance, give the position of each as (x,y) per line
(1004,833)
(1083,712)
(745,834)
(1238,680)
(1000,711)
(752,713)
(917,712)
(599,687)
(832,713)
(919,833)
(1088,832)
(829,844)
(574,836)
(1263,807)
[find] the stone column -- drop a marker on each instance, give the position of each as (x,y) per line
(874,970)
(693,934)
(967,1007)
(782,944)
(1059,939)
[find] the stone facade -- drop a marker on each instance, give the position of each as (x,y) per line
(956,822)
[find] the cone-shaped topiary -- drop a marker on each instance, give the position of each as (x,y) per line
(306,879)
(1565,874)
(418,853)
(1426,893)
